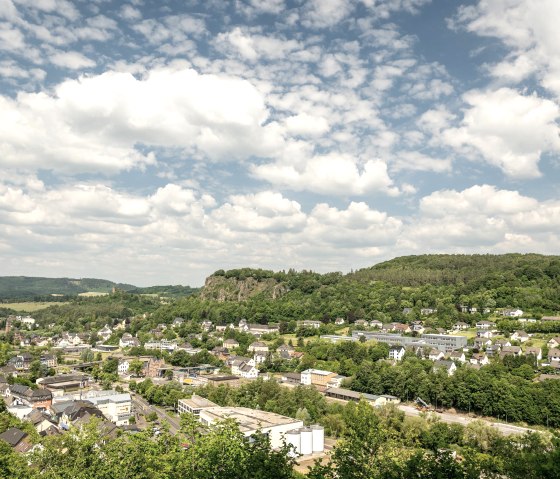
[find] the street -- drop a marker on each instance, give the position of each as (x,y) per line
(144,407)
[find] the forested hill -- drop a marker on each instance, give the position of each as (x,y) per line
(30,288)
(529,282)
(26,287)
(490,271)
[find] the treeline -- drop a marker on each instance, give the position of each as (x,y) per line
(168,290)
(374,444)
(91,313)
(503,390)
(469,271)
(383,443)
(26,287)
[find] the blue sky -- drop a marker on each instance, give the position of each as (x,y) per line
(157,141)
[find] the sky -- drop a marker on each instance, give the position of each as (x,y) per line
(156,141)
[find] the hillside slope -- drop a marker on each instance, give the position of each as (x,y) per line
(26,287)
(445,269)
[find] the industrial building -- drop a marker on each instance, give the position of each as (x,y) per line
(316,377)
(116,407)
(251,420)
(443,342)
(349,395)
(194,405)
(306,440)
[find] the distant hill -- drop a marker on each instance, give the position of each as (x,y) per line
(461,269)
(29,288)
(526,280)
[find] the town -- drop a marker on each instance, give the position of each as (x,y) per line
(133,366)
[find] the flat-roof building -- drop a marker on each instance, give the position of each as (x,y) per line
(194,405)
(251,420)
(443,342)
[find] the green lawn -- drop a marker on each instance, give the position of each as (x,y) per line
(30,306)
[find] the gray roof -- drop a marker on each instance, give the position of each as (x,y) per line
(13,436)
(442,363)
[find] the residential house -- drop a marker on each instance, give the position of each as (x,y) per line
(554,355)
(554,342)
(124,365)
(260,329)
(428,311)
(258,347)
(406,311)
(221,328)
(457,356)
(40,420)
(259,358)
(286,349)
(537,352)
(512,313)
(493,351)
(460,326)
(237,362)
(105,333)
(188,348)
(206,325)
(230,343)
(220,352)
(78,410)
(362,323)
(22,361)
(396,353)
(28,322)
(482,343)
(501,343)
(177,322)
(339,321)
(485,333)
(309,324)
(436,355)
(48,360)
(417,328)
(128,341)
(375,324)
(488,325)
(248,371)
(449,366)
(511,351)
(402,328)
(550,318)
(4,387)
(520,336)
(480,359)
(34,398)
(473,310)
(17,439)
(463,308)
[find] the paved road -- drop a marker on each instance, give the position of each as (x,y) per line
(504,428)
(144,407)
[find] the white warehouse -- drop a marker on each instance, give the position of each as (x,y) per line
(251,420)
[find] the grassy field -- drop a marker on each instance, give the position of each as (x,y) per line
(92,294)
(30,306)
